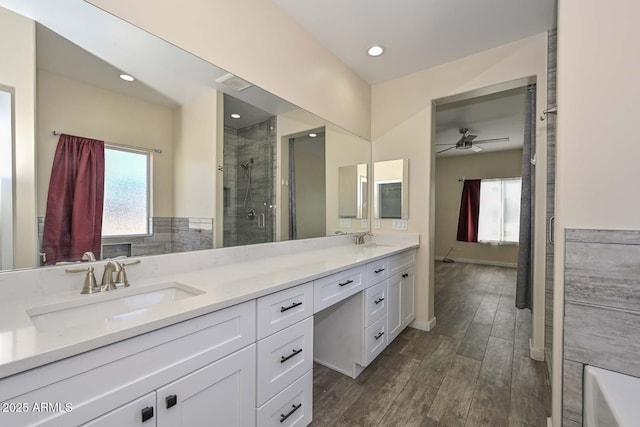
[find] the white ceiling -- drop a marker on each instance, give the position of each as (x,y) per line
(499,115)
(416,34)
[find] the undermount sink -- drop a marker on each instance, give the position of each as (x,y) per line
(108,308)
(610,398)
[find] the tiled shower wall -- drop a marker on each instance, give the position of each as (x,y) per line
(168,235)
(551,193)
(240,145)
(601,309)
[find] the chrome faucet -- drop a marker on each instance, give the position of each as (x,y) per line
(358,238)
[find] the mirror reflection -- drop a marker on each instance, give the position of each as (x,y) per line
(194,157)
(391,189)
(353,191)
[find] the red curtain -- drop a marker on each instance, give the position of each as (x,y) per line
(73,221)
(469,211)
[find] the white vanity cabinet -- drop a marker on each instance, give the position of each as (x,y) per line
(206,357)
(401,290)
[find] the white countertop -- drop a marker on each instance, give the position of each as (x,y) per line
(227,276)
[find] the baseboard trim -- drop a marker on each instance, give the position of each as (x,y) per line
(422,325)
(536,353)
(481,262)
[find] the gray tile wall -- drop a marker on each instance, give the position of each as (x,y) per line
(551,187)
(601,309)
(168,235)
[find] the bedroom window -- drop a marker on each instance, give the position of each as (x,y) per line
(126,192)
(499,218)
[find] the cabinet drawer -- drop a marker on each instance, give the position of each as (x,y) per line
(291,407)
(375,340)
(377,271)
(400,262)
(336,287)
(283,357)
(284,308)
(375,300)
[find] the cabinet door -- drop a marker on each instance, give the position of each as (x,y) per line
(220,394)
(394,315)
(408,297)
(129,415)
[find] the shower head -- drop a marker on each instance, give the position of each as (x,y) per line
(245,165)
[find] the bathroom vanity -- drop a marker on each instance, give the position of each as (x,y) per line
(231,343)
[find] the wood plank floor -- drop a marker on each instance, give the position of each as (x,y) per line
(472,370)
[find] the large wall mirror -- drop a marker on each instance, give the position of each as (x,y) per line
(195,158)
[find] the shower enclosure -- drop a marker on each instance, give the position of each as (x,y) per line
(249,187)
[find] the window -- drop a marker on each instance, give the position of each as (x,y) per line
(126,192)
(499,219)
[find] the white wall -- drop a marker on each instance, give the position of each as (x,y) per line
(18,71)
(402,127)
(598,149)
(78,108)
(195,148)
(258,41)
(500,164)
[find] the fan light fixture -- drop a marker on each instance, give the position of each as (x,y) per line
(375,50)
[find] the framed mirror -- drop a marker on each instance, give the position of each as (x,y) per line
(391,189)
(212,148)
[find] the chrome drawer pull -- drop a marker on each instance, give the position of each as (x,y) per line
(294,305)
(295,352)
(380,270)
(377,337)
(345,283)
(378,301)
(295,408)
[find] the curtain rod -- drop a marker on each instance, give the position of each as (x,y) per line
(115,144)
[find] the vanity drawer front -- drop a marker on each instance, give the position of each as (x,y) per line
(400,262)
(375,299)
(282,309)
(377,271)
(283,357)
(119,373)
(331,289)
(375,340)
(291,407)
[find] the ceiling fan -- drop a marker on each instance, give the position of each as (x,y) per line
(466,142)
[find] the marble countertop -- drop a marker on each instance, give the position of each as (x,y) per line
(259,271)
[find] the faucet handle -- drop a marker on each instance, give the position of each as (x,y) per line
(121,276)
(90,284)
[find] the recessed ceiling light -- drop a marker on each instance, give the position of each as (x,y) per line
(375,50)
(235,116)
(313,135)
(127,78)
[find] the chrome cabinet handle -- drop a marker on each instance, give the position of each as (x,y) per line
(295,352)
(295,408)
(377,337)
(294,305)
(345,283)
(378,301)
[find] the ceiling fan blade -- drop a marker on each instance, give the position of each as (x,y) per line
(491,140)
(446,149)
(470,138)
(445,144)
